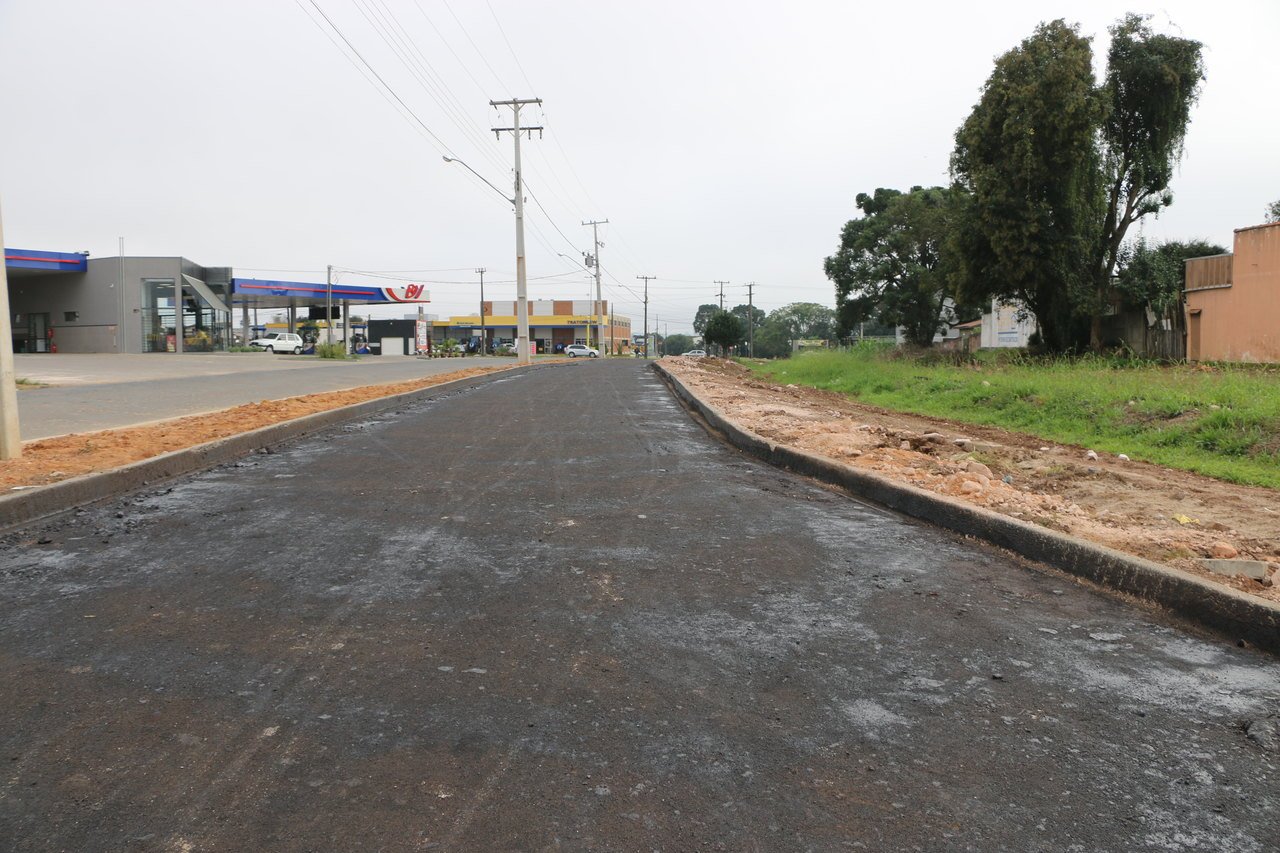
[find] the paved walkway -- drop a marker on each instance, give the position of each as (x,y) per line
(92,392)
(549,612)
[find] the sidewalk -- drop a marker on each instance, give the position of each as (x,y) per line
(93,392)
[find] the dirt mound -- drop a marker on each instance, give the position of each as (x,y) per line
(52,459)
(1167,516)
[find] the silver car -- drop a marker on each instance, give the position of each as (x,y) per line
(575,350)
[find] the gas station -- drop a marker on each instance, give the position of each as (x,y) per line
(69,302)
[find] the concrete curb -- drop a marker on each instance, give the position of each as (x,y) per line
(17,508)
(1226,611)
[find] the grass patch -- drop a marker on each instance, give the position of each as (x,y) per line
(1222,421)
(331,351)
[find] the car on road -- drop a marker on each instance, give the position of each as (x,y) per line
(575,350)
(696,353)
(279,342)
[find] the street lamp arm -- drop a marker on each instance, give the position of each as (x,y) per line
(508,199)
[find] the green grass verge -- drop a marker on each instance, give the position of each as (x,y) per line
(1222,421)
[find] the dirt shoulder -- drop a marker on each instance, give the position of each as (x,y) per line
(1171,517)
(50,460)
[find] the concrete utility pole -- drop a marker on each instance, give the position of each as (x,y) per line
(647,279)
(722,284)
(484,336)
(328,304)
(522,292)
(751,325)
(10,439)
(595,236)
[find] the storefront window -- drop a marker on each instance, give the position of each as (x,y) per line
(158,315)
(203,326)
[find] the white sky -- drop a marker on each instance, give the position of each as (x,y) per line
(722,140)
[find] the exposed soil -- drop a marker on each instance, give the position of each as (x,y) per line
(1167,516)
(49,460)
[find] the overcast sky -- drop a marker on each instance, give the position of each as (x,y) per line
(722,140)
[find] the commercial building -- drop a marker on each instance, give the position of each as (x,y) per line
(553,325)
(69,302)
(1233,301)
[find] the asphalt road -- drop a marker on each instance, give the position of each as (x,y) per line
(107,391)
(550,612)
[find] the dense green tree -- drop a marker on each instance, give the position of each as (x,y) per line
(704,315)
(773,339)
(752,318)
(890,262)
(1152,81)
(724,330)
(1154,274)
(805,321)
(677,344)
(1028,225)
(1273,211)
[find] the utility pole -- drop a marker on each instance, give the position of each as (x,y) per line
(647,279)
(522,292)
(751,340)
(484,336)
(10,439)
(595,237)
(328,304)
(722,284)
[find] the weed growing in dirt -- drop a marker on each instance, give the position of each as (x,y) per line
(1223,421)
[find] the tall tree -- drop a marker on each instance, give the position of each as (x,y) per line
(1152,81)
(1027,157)
(890,262)
(704,315)
(725,330)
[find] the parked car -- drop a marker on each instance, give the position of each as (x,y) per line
(697,353)
(575,350)
(278,342)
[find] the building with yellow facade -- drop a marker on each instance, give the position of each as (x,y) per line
(553,324)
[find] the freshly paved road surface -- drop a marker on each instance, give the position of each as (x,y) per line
(549,612)
(92,392)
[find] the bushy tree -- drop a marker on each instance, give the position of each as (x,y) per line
(1058,169)
(1154,274)
(1273,211)
(724,330)
(704,315)
(805,321)
(890,262)
(772,339)
(677,344)
(1028,161)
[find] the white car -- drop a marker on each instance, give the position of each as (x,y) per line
(696,353)
(575,350)
(278,342)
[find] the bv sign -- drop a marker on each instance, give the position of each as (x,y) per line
(408,293)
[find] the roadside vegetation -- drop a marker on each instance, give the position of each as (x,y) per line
(1221,421)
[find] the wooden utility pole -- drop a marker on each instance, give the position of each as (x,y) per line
(722,284)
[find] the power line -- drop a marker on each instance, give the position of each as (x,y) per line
(444,149)
(509,47)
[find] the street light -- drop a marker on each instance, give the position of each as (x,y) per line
(522,313)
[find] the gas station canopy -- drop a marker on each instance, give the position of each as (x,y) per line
(310,292)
